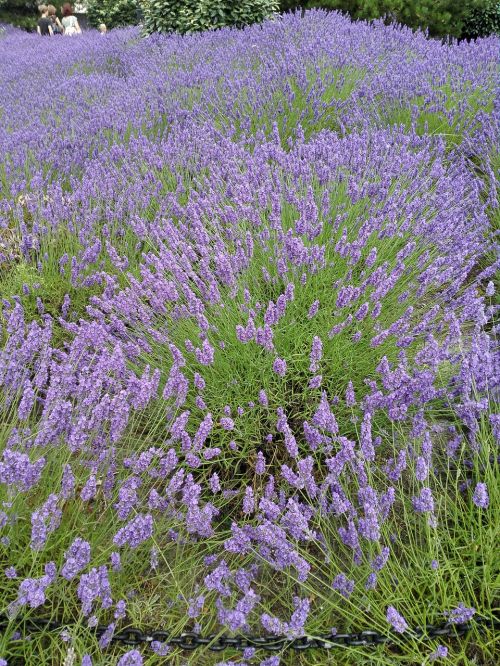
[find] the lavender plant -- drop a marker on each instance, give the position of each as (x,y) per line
(249,369)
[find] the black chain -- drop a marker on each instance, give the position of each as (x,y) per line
(217,642)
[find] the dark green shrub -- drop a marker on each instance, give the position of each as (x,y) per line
(24,21)
(113,13)
(19,6)
(21,13)
(193,15)
(456,18)
(291,5)
(482,20)
(24,13)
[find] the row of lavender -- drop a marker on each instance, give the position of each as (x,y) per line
(254,323)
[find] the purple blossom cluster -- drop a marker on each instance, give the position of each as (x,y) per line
(259,300)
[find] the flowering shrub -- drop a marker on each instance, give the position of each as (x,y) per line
(248,374)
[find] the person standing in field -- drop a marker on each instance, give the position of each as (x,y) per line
(57,28)
(44,25)
(102,28)
(69,22)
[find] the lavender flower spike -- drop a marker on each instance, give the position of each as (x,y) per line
(396,620)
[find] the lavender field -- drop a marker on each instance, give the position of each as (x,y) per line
(249,366)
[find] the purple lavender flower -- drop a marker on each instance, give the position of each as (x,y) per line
(324,418)
(371,582)
(16,469)
(206,354)
(366,442)
(89,490)
(215,483)
(396,620)
(135,532)
(199,382)
(260,463)
(343,585)
(248,501)
(424,503)
(115,561)
(313,310)
(270,661)
(120,610)
(27,401)
(107,636)
(76,558)
(350,397)
(132,658)
(316,354)
(461,614)
(32,590)
(279,367)
(380,560)
(441,652)
(495,426)
(227,423)
(68,482)
(44,521)
(299,616)
(92,586)
(480,496)
(161,649)
(196,606)
(315,382)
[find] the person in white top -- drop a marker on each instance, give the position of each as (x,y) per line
(69,21)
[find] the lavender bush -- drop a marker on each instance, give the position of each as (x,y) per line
(249,369)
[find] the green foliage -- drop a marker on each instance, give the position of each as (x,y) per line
(21,6)
(21,13)
(482,19)
(474,18)
(24,21)
(113,13)
(291,5)
(24,13)
(186,16)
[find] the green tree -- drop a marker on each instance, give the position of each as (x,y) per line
(455,18)
(113,13)
(24,13)
(482,20)
(193,15)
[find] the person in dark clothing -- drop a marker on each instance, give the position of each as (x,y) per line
(44,27)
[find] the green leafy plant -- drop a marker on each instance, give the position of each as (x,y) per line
(113,13)
(186,16)
(24,13)
(475,18)
(482,20)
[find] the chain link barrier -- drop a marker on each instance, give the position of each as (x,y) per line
(217,642)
